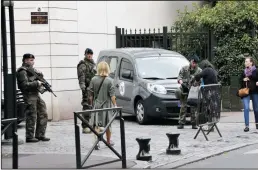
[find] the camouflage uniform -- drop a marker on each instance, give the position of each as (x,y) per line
(85,71)
(187,75)
(35,107)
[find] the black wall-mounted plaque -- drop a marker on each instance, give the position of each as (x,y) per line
(39,17)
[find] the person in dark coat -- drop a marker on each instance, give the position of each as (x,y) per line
(208,74)
(210,104)
(249,79)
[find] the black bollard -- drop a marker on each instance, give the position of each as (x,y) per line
(173,144)
(144,149)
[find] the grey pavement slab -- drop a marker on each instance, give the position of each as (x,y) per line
(242,158)
(63,141)
(235,117)
(63,161)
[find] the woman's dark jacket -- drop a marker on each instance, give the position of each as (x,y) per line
(209,76)
(250,84)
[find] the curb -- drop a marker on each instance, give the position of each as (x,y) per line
(203,158)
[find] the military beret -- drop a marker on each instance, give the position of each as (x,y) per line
(195,58)
(88,51)
(27,55)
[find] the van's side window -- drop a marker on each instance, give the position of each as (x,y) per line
(113,65)
(126,65)
(103,58)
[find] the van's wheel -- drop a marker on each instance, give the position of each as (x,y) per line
(141,115)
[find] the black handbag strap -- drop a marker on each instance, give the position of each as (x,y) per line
(100,87)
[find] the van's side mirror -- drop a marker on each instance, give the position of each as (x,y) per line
(127,74)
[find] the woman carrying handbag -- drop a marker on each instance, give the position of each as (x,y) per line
(249,90)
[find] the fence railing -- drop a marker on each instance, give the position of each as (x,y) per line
(6,124)
(200,43)
(208,108)
(122,156)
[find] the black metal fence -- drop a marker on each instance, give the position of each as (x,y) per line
(122,156)
(200,43)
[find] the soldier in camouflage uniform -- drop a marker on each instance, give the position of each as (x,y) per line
(35,107)
(186,76)
(86,70)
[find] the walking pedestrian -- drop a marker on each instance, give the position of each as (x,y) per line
(248,81)
(35,107)
(102,95)
(85,72)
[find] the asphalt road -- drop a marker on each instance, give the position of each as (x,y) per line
(246,157)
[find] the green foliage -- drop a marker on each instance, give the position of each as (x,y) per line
(234,25)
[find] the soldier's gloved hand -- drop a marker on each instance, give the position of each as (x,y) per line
(40,83)
(38,72)
(84,91)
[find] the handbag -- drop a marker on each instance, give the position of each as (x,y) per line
(243,91)
(193,96)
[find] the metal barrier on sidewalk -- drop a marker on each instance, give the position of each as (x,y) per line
(208,108)
(6,123)
(122,157)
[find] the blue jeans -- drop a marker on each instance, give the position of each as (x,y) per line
(246,102)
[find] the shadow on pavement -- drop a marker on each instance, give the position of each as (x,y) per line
(156,121)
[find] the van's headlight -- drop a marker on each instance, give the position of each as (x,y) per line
(154,88)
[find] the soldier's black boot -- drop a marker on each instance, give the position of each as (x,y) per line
(180,126)
(31,140)
(43,139)
(256,125)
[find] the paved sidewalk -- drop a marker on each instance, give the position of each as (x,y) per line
(63,141)
(244,158)
(64,161)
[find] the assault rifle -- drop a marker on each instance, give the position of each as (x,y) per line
(45,84)
(185,89)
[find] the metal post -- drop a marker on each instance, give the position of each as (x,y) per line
(15,147)
(165,38)
(118,37)
(122,132)
(144,149)
(123,37)
(77,143)
(5,61)
(173,144)
(13,54)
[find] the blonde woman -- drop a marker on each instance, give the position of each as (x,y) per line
(102,95)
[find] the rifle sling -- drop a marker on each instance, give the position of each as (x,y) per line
(100,87)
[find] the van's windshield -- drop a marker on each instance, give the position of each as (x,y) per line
(160,67)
